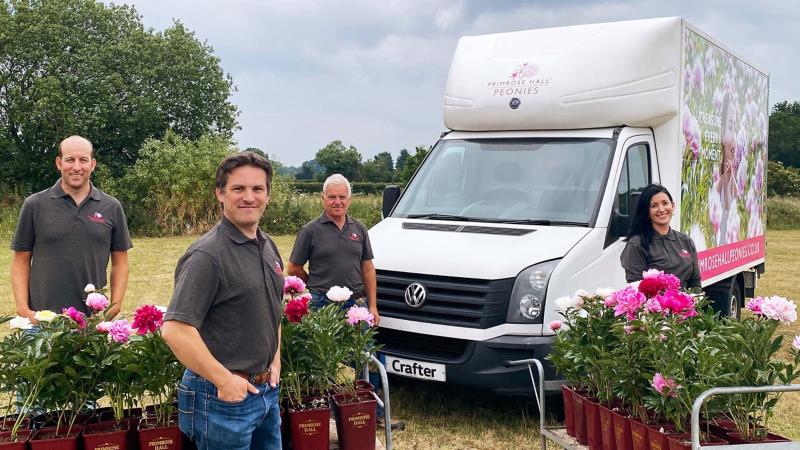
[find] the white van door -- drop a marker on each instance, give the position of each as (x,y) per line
(638,170)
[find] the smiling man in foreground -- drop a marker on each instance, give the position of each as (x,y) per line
(223,322)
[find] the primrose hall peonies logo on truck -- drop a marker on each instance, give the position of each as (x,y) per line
(524,80)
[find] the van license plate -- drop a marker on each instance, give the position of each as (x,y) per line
(415,369)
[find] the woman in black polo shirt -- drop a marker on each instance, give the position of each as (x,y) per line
(652,244)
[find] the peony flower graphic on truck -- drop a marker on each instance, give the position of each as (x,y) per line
(525,71)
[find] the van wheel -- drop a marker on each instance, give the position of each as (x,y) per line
(727,301)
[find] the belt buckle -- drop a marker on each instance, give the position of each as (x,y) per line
(261,378)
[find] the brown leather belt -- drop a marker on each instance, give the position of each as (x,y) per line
(255,379)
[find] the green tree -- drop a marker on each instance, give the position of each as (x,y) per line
(385,161)
(784,134)
(412,162)
(401,160)
(339,159)
(81,67)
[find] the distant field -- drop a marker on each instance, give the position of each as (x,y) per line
(440,416)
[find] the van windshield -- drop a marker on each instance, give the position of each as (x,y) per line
(538,181)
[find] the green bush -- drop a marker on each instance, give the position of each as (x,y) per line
(358,188)
(783,213)
(782,180)
(170,189)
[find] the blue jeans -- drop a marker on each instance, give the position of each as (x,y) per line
(212,424)
(320,300)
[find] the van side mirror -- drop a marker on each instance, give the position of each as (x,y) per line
(390,196)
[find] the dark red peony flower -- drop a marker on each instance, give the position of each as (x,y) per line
(147,318)
(296,309)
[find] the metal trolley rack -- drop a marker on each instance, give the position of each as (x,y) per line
(385,402)
(559,436)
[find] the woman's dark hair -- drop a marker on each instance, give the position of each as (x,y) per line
(641,225)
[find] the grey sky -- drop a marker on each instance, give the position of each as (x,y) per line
(372,73)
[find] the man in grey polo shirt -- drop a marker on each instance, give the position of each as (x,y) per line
(223,321)
(64,238)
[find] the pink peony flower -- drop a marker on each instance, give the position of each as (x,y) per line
(759,174)
(714,208)
(358,314)
(120,331)
(659,383)
(629,300)
(610,301)
(556,325)
(697,75)
(719,98)
(652,306)
(651,274)
(75,315)
(97,301)
(755,226)
(293,285)
(754,305)
(779,308)
(628,329)
(741,177)
(147,318)
(676,302)
(103,326)
(716,173)
(734,224)
(796,342)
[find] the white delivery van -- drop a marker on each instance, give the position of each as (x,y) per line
(553,133)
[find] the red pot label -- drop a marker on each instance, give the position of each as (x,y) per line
(107,447)
(310,427)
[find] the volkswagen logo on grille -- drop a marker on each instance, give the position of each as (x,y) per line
(415,295)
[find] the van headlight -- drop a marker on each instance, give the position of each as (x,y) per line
(527,297)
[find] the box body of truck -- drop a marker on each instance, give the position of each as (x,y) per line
(529,196)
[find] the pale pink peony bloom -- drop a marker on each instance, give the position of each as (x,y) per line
(779,308)
(714,208)
(97,301)
(659,383)
(697,75)
(755,227)
(120,331)
(652,306)
(754,305)
(652,273)
(734,225)
(687,75)
(103,327)
(796,342)
(628,329)
(293,285)
(359,314)
(759,173)
(750,199)
(716,173)
(556,325)
(741,177)
(604,293)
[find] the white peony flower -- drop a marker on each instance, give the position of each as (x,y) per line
(339,294)
(20,323)
(566,302)
(45,316)
(89,288)
(604,292)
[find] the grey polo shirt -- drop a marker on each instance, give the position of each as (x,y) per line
(673,253)
(230,288)
(334,256)
(71,244)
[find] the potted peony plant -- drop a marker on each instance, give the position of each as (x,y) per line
(157,373)
(752,346)
(13,432)
(356,408)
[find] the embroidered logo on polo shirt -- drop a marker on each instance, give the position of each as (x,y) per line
(277,268)
(685,253)
(97,217)
(354,237)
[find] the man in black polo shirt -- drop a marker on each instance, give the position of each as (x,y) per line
(223,321)
(338,253)
(64,238)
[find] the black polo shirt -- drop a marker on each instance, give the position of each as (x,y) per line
(673,253)
(71,244)
(334,256)
(230,288)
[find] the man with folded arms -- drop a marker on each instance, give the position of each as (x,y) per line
(223,321)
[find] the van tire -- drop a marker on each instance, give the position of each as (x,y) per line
(727,298)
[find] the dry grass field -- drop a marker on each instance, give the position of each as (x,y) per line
(437,416)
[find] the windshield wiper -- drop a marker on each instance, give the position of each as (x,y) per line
(440,217)
(545,222)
